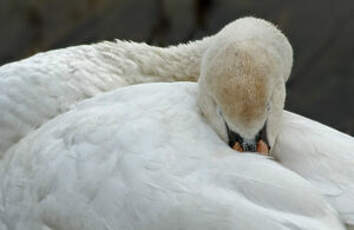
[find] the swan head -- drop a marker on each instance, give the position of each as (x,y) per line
(242,82)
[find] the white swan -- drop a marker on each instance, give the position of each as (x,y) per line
(263,55)
(123,161)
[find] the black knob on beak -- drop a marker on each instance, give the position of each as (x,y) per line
(249,147)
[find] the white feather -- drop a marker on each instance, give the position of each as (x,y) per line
(144,157)
(123,161)
(323,156)
(39,88)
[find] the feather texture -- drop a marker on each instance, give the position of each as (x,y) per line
(123,161)
(323,156)
(39,88)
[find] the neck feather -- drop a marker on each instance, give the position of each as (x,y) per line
(140,63)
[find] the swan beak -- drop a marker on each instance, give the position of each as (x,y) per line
(258,144)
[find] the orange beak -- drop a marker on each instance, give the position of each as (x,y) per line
(262,148)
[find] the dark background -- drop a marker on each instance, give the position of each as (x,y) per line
(321,32)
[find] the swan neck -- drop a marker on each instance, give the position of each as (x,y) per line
(141,63)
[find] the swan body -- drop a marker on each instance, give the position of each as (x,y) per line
(67,164)
(123,161)
(322,155)
(37,89)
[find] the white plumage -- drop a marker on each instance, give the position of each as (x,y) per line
(39,88)
(145,157)
(122,161)
(323,156)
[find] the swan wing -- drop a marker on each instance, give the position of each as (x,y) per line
(122,161)
(322,155)
(37,89)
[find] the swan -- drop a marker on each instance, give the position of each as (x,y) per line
(122,161)
(247,47)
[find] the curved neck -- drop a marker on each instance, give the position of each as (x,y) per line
(140,63)
(39,88)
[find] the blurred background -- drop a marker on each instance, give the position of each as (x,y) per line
(321,31)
